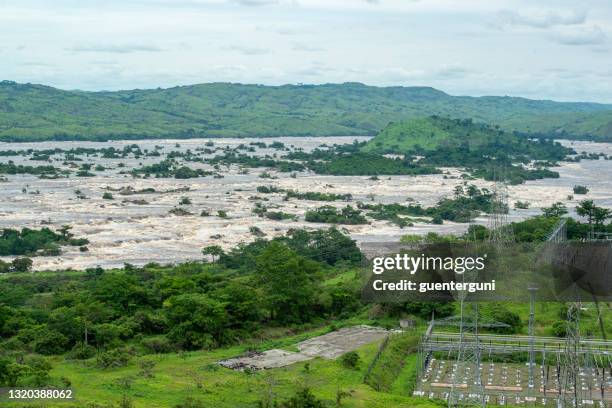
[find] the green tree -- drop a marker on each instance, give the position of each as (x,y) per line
(120,290)
(557,210)
(595,215)
(4,363)
(303,398)
(50,342)
(213,251)
(501,314)
(242,305)
(15,371)
(21,265)
(197,320)
(289,282)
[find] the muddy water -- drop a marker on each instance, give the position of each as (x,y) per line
(122,231)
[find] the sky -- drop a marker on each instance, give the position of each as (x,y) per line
(544,49)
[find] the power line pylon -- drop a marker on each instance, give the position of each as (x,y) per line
(572,394)
(499,229)
(531,383)
(467,387)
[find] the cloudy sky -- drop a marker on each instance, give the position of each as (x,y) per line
(545,49)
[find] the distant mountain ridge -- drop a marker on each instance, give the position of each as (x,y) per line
(30,112)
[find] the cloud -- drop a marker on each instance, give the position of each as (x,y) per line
(246,50)
(567,28)
(593,35)
(257,3)
(254,2)
(116,48)
(317,69)
(452,72)
(441,73)
(36,64)
(542,19)
(306,47)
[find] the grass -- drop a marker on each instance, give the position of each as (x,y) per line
(196,374)
(179,376)
(342,277)
(404,136)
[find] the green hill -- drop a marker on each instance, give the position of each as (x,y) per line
(36,112)
(486,150)
(593,125)
(435,132)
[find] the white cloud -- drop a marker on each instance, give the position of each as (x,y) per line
(447,44)
(254,2)
(593,35)
(246,50)
(306,47)
(542,18)
(116,48)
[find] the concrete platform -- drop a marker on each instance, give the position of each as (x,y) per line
(331,346)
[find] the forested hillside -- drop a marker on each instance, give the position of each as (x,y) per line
(485,149)
(35,112)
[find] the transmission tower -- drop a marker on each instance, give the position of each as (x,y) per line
(467,387)
(572,394)
(531,384)
(499,230)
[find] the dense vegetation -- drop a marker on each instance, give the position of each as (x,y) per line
(255,161)
(36,112)
(483,151)
(332,215)
(36,242)
(160,309)
(538,228)
(466,204)
(430,134)
(317,196)
(126,335)
(169,168)
(486,151)
(41,171)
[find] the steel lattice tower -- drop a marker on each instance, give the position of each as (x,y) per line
(499,230)
(468,358)
(572,394)
(531,384)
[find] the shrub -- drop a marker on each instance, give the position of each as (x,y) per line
(146,368)
(303,398)
(159,344)
(350,359)
(113,358)
(503,315)
(559,328)
(332,215)
(21,265)
(521,205)
(50,342)
(256,231)
(190,403)
(126,402)
(578,189)
(82,351)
